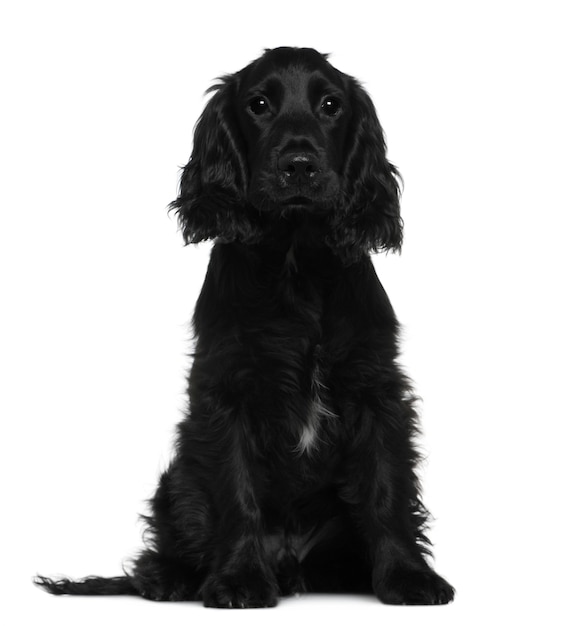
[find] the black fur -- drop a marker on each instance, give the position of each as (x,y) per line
(295,467)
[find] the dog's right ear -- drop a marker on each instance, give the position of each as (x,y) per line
(211,202)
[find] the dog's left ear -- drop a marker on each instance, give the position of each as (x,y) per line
(211,202)
(369,219)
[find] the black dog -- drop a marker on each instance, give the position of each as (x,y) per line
(295,468)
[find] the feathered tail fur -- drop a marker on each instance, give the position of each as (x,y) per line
(90,586)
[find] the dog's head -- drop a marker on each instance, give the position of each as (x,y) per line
(288,136)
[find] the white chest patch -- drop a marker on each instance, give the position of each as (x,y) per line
(310,437)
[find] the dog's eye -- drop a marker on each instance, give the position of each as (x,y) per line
(331,106)
(259,105)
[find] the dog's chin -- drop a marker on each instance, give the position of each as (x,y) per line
(297,202)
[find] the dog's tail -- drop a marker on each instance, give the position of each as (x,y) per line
(90,586)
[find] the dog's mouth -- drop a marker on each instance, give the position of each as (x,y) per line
(266,194)
(297,202)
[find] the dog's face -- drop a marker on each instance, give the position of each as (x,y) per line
(293,113)
(286,137)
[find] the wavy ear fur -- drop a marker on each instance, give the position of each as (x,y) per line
(369,219)
(211,202)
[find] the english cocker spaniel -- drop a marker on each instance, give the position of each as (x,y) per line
(295,467)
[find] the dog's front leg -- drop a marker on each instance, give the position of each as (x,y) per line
(382,491)
(240,576)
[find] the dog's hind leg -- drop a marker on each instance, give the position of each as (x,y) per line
(156,577)
(176,538)
(166,569)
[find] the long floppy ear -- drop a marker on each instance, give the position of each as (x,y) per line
(211,201)
(369,218)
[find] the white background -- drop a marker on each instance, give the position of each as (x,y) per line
(98,104)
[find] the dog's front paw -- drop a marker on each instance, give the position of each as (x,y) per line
(289,576)
(240,591)
(406,586)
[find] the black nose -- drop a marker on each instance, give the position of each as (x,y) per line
(298,167)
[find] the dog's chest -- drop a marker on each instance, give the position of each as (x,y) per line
(319,412)
(277,312)
(305,288)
